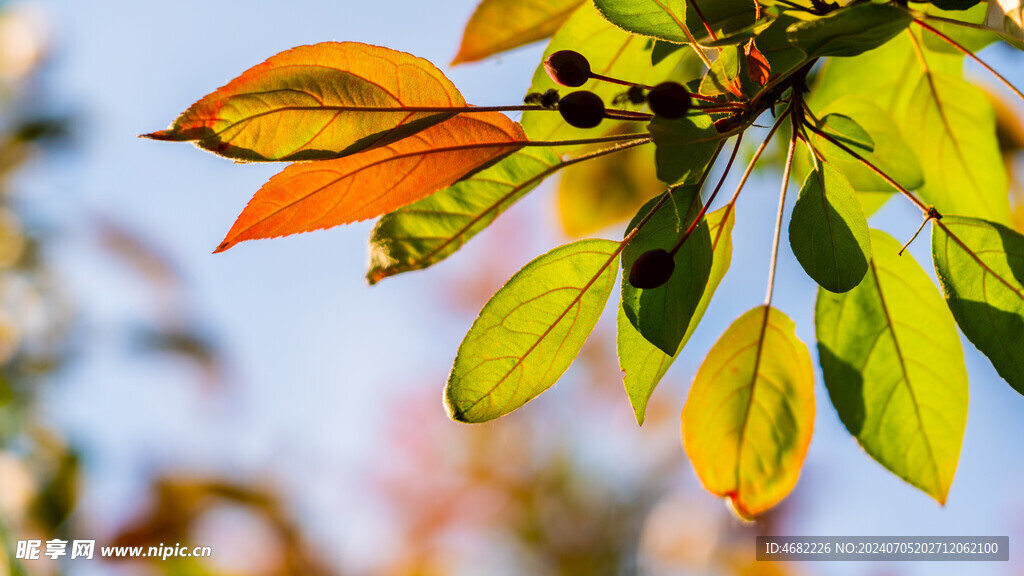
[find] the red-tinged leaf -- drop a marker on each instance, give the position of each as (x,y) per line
(500,25)
(315,195)
(318,102)
(758,67)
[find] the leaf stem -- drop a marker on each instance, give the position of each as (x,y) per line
(603,78)
(899,187)
(971,55)
(782,204)
(700,14)
(704,209)
(693,41)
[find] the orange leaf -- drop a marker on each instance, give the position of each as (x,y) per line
(315,195)
(758,67)
(318,102)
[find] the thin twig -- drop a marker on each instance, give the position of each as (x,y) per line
(578,141)
(704,209)
(757,155)
(932,214)
(778,218)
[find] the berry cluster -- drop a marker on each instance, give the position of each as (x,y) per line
(585,109)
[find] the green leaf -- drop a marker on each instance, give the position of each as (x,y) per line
(500,25)
(611,52)
(828,231)
(430,230)
(951,126)
(663,314)
(643,364)
(750,412)
(981,269)
(670,19)
(685,147)
(889,152)
(894,369)
(849,31)
(530,331)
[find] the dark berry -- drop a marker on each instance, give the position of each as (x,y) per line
(582,109)
(669,100)
(568,68)
(652,269)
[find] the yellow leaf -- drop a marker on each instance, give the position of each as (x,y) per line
(750,413)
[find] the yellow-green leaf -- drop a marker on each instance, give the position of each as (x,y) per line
(748,419)
(951,126)
(318,102)
(429,230)
(530,331)
(894,369)
(500,25)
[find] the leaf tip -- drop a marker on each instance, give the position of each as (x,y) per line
(375,275)
(455,413)
(223,246)
(735,504)
(165,135)
(639,417)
